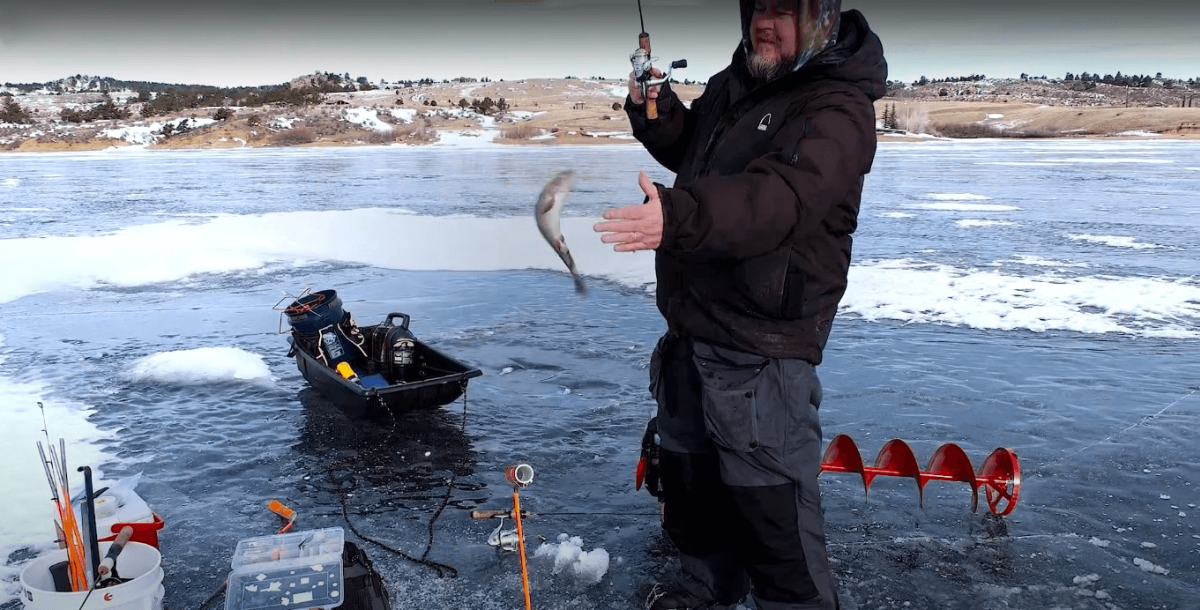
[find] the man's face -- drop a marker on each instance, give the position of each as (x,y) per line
(773,36)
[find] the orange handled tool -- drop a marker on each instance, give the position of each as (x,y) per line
(288,514)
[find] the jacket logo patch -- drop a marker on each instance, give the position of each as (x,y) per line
(764,122)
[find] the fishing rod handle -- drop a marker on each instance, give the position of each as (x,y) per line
(482,514)
(651,106)
(115,549)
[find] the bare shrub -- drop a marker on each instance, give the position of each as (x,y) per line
(520,131)
(969,130)
(294,137)
(913,118)
(13,144)
(1039,132)
(326,125)
(382,137)
(978,130)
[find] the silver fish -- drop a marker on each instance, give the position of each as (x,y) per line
(549,206)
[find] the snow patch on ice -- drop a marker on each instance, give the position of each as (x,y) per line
(957,197)
(968,223)
(1037,261)
(966,207)
(896,215)
(1117,241)
(200,366)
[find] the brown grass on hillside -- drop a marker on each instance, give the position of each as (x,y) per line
(294,137)
(416,132)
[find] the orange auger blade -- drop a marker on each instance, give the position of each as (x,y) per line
(1000,475)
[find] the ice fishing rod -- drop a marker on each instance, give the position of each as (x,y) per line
(1000,475)
(643,68)
(73,573)
(520,475)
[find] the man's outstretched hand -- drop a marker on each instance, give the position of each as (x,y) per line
(634,227)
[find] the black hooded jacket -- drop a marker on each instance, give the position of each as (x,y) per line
(757,228)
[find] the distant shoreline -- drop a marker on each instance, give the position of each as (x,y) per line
(550,112)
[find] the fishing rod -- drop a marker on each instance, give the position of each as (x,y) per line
(71,574)
(520,475)
(643,68)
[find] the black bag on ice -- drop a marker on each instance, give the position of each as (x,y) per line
(363,587)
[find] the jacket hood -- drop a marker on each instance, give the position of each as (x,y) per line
(818,27)
(856,57)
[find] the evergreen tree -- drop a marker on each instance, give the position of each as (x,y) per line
(12,112)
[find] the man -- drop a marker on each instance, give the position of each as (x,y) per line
(752,252)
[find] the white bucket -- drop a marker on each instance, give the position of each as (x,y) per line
(138,561)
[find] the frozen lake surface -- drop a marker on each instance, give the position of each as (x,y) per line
(1042,296)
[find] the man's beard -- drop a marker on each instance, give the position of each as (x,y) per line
(765,70)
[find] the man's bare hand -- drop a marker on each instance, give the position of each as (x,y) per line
(634,227)
(635,90)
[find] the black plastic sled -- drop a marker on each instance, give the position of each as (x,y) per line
(373,370)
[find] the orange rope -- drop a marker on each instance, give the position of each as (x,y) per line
(521,547)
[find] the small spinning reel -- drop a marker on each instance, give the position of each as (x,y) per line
(643,71)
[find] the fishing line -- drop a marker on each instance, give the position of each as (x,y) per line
(948,542)
(441,568)
(449,484)
(1115,434)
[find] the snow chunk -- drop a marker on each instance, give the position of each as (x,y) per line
(1086,580)
(1149,567)
(1149,545)
(587,566)
(1098,542)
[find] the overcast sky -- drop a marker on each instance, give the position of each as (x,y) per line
(228,43)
